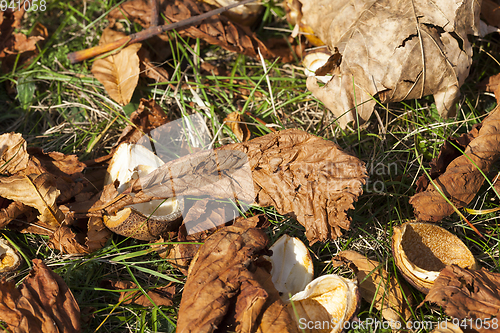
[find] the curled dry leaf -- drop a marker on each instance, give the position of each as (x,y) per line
(396,49)
(235,122)
(13,155)
(463,178)
(245,15)
(160,295)
(222,286)
(118,73)
(206,216)
(305,176)
(36,191)
(466,294)
(390,296)
(421,250)
(43,303)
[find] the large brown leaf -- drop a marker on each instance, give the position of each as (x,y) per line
(225,290)
(305,176)
(399,49)
(462,179)
(390,296)
(13,155)
(43,303)
(118,73)
(36,191)
(467,294)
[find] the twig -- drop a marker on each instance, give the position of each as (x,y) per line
(154,12)
(78,56)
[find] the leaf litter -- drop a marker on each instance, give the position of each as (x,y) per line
(279,161)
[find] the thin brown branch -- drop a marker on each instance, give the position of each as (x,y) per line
(78,56)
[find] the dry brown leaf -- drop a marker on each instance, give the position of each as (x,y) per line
(467,294)
(377,286)
(205,215)
(118,73)
(462,179)
(235,122)
(490,11)
(147,117)
(217,275)
(398,49)
(43,303)
(13,155)
(160,295)
(66,240)
(12,211)
(36,191)
(305,176)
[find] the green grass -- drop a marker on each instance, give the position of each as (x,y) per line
(61,107)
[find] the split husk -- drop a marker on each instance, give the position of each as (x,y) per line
(146,220)
(422,250)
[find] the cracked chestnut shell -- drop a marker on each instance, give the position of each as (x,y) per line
(148,220)
(422,250)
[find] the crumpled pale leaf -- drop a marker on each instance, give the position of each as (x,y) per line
(467,294)
(13,155)
(218,30)
(43,303)
(296,172)
(160,295)
(398,49)
(305,176)
(222,289)
(36,191)
(377,286)
(462,179)
(118,73)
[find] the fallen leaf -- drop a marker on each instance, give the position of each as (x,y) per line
(390,296)
(468,294)
(491,84)
(206,216)
(159,295)
(36,191)
(43,303)
(95,237)
(227,289)
(398,49)
(12,211)
(451,149)
(13,155)
(490,11)
(147,117)
(235,122)
(463,178)
(305,176)
(118,73)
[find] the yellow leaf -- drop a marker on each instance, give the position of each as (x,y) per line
(118,73)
